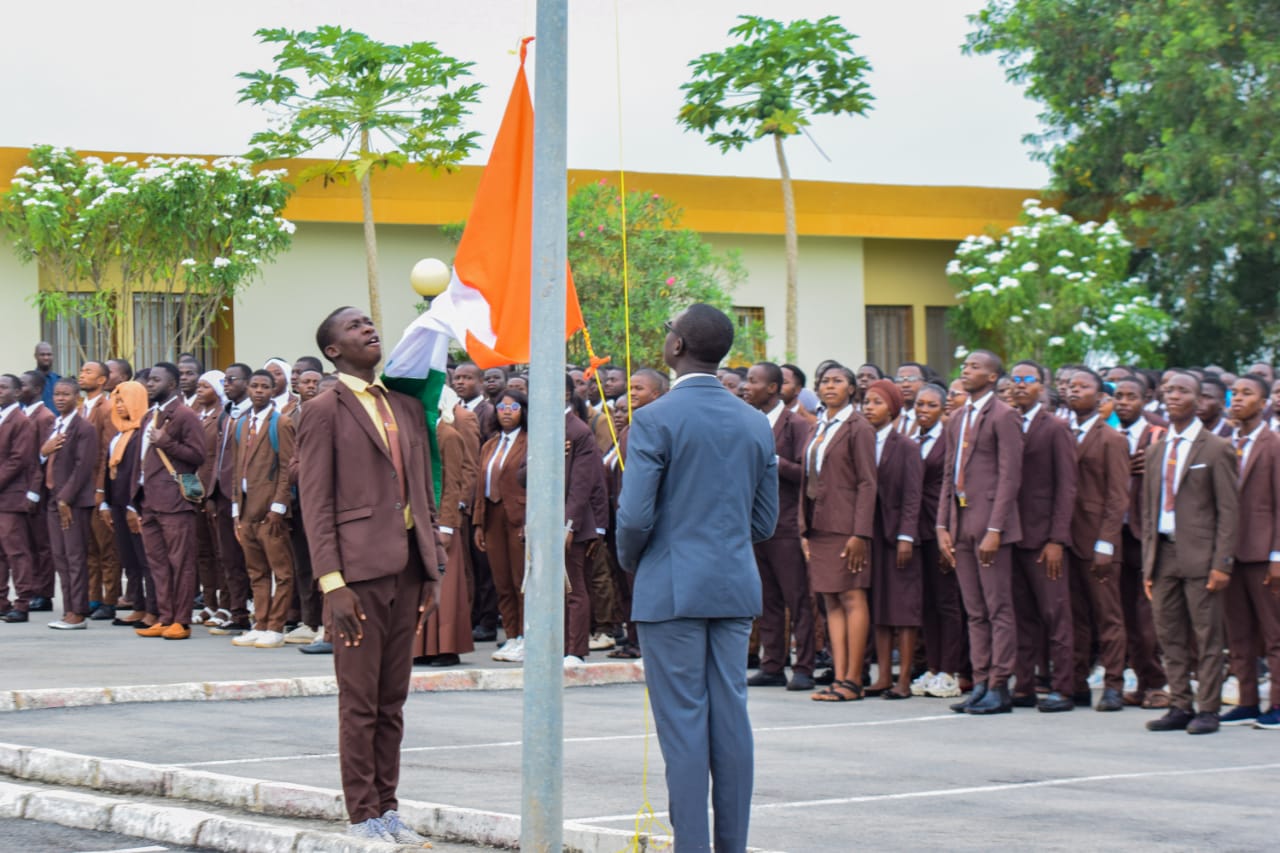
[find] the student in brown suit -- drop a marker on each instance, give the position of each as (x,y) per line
(17,459)
(1213,400)
(31,394)
(170,430)
(307,604)
(837,521)
(978,524)
(104,564)
(586,516)
(260,506)
(366,495)
(209,405)
(1139,431)
(1046,499)
(1188,544)
(468,384)
(128,408)
(1102,497)
(897,588)
(69,456)
(793,380)
(232,617)
(1253,597)
(497,513)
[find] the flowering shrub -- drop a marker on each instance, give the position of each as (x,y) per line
(1057,291)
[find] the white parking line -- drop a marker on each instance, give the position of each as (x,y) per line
(600,739)
(152,849)
(962,792)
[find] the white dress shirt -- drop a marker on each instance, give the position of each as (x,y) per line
(60,424)
(926,445)
(690,376)
(1134,432)
(827,428)
(258,421)
(6,411)
(1184,442)
(882,435)
(500,457)
(1029,417)
(1082,430)
(969,412)
(146,434)
(1244,460)
(775,413)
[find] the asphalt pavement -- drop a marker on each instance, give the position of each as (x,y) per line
(33,836)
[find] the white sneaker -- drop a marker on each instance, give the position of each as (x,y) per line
(517,656)
(1130,681)
(248,638)
(372,829)
(269,640)
(601,642)
(571,661)
(918,686)
(507,649)
(943,686)
(300,636)
(1097,678)
(1231,691)
(399,831)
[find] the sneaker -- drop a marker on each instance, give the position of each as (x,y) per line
(247,639)
(1269,720)
(507,650)
(230,628)
(1231,691)
(601,642)
(372,829)
(943,686)
(1097,678)
(300,636)
(1241,715)
(517,656)
(399,831)
(571,661)
(269,640)
(918,686)
(1130,681)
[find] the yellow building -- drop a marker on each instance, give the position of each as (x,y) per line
(872,285)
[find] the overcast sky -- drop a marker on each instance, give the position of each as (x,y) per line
(146,75)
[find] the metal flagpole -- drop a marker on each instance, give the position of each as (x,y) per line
(542,808)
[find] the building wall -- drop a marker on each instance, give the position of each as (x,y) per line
(910,273)
(21,321)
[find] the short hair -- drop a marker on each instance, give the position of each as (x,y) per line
(997,366)
(772,373)
(506,374)
(188,358)
(835,365)
(266,374)
(1259,380)
(877,368)
(17,383)
(1092,374)
(33,378)
(1212,379)
(1042,373)
(69,382)
(100,365)
(462,365)
(923,368)
(242,367)
(660,379)
(168,367)
(324,333)
(1182,371)
(707,332)
(310,362)
(1136,379)
(933,388)
(125,367)
(796,372)
(741,371)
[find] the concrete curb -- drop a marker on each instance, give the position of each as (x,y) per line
(587,675)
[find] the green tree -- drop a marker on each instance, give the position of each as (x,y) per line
(382,105)
(1164,112)
(1057,291)
(770,84)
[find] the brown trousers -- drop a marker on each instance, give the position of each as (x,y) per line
(373,683)
(785,581)
(1042,605)
(1095,606)
(169,539)
(208,568)
(104,564)
(1253,614)
(268,556)
(988,599)
(231,556)
(604,597)
(1139,626)
(945,631)
(448,628)
(16,562)
(44,577)
(306,595)
(1189,617)
(70,548)
(505,550)
(577,601)
(133,557)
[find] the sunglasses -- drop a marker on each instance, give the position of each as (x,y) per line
(508,407)
(1023,380)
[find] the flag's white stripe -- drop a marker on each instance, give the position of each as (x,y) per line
(454,313)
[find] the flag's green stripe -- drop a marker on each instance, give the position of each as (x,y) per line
(428,391)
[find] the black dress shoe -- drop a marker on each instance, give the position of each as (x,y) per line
(1111,700)
(40,604)
(103,613)
(1204,723)
(1174,720)
(481,634)
(324,647)
(822,659)
(1055,703)
(979,690)
(824,676)
(996,701)
(1082,698)
(753,661)
(16,616)
(767,679)
(444,660)
(800,681)
(1024,701)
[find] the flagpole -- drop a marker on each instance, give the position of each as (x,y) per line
(542,807)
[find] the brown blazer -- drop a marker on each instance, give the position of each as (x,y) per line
(1151,432)
(932,469)
(1204,514)
(18,461)
(486,418)
(583,475)
(1102,490)
(267,473)
(459,456)
(348,492)
(790,436)
(1047,495)
(466,422)
(1259,523)
(222,473)
(212,432)
(120,488)
(513,492)
(73,466)
(183,442)
(898,484)
(846,502)
(992,477)
(100,417)
(42,419)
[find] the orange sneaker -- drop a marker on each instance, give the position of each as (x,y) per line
(156,630)
(176,631)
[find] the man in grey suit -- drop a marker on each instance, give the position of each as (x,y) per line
(701,486)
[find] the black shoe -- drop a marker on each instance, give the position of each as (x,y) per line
(198,603)
(1024,701)
(1082,698)
(1111,700)
(800,681)
(324,647)
(753,661)
(128,623)
(979,690)
(1174,720)
(824,676)
(996,701)
(1204,723)
(481,634)
(103,613)
(822,660)
(444,660)
(767,679)
(16,616)
(1055,703)
(40,604)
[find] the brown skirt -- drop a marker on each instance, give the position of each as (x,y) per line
(828,571)
(448,628)
(897,597)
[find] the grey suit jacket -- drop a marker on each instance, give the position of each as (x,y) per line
(701,485)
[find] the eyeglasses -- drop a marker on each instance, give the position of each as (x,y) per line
(1023,380)
(957,393)
(508,407)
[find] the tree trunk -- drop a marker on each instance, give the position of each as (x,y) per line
(792,249)
(370,242)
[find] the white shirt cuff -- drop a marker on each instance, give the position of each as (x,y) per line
(34,497)
(1102,547)
(1275,557)
(994,530)
(905,538)
(235,510)
(448,530)
(279,509)
(104,506)
(600,531)
(131,509)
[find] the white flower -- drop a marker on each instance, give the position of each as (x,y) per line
(1030,266)
(1045,306)
(1066,253)
(985,287)
(1083,328)
(1057,341)
(1075,276)
(1030,202)
(219,263)
(953,267)
(287,227)
(1015,319)
(1007,282)
(961,351)
(997,257)
(188,262)
(1059,270)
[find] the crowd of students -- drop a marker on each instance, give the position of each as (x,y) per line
(1000,536)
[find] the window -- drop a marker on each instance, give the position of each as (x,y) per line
(750,318)
(942,344)
(157,321)
(889,336)
(76,339)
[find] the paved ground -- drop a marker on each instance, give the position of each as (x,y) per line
(35,837)
(890,775)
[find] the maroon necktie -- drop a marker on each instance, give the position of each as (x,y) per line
(1170,478)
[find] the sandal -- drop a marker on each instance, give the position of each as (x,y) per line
(839,691)
(627,652)
(893,693)
(877,691)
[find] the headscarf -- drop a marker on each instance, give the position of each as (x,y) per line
(890,393)
(218,382)
(134,396)
(283,365)
(448,402)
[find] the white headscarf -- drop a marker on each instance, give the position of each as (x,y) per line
(448,402)
(281,400)
(218,382)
